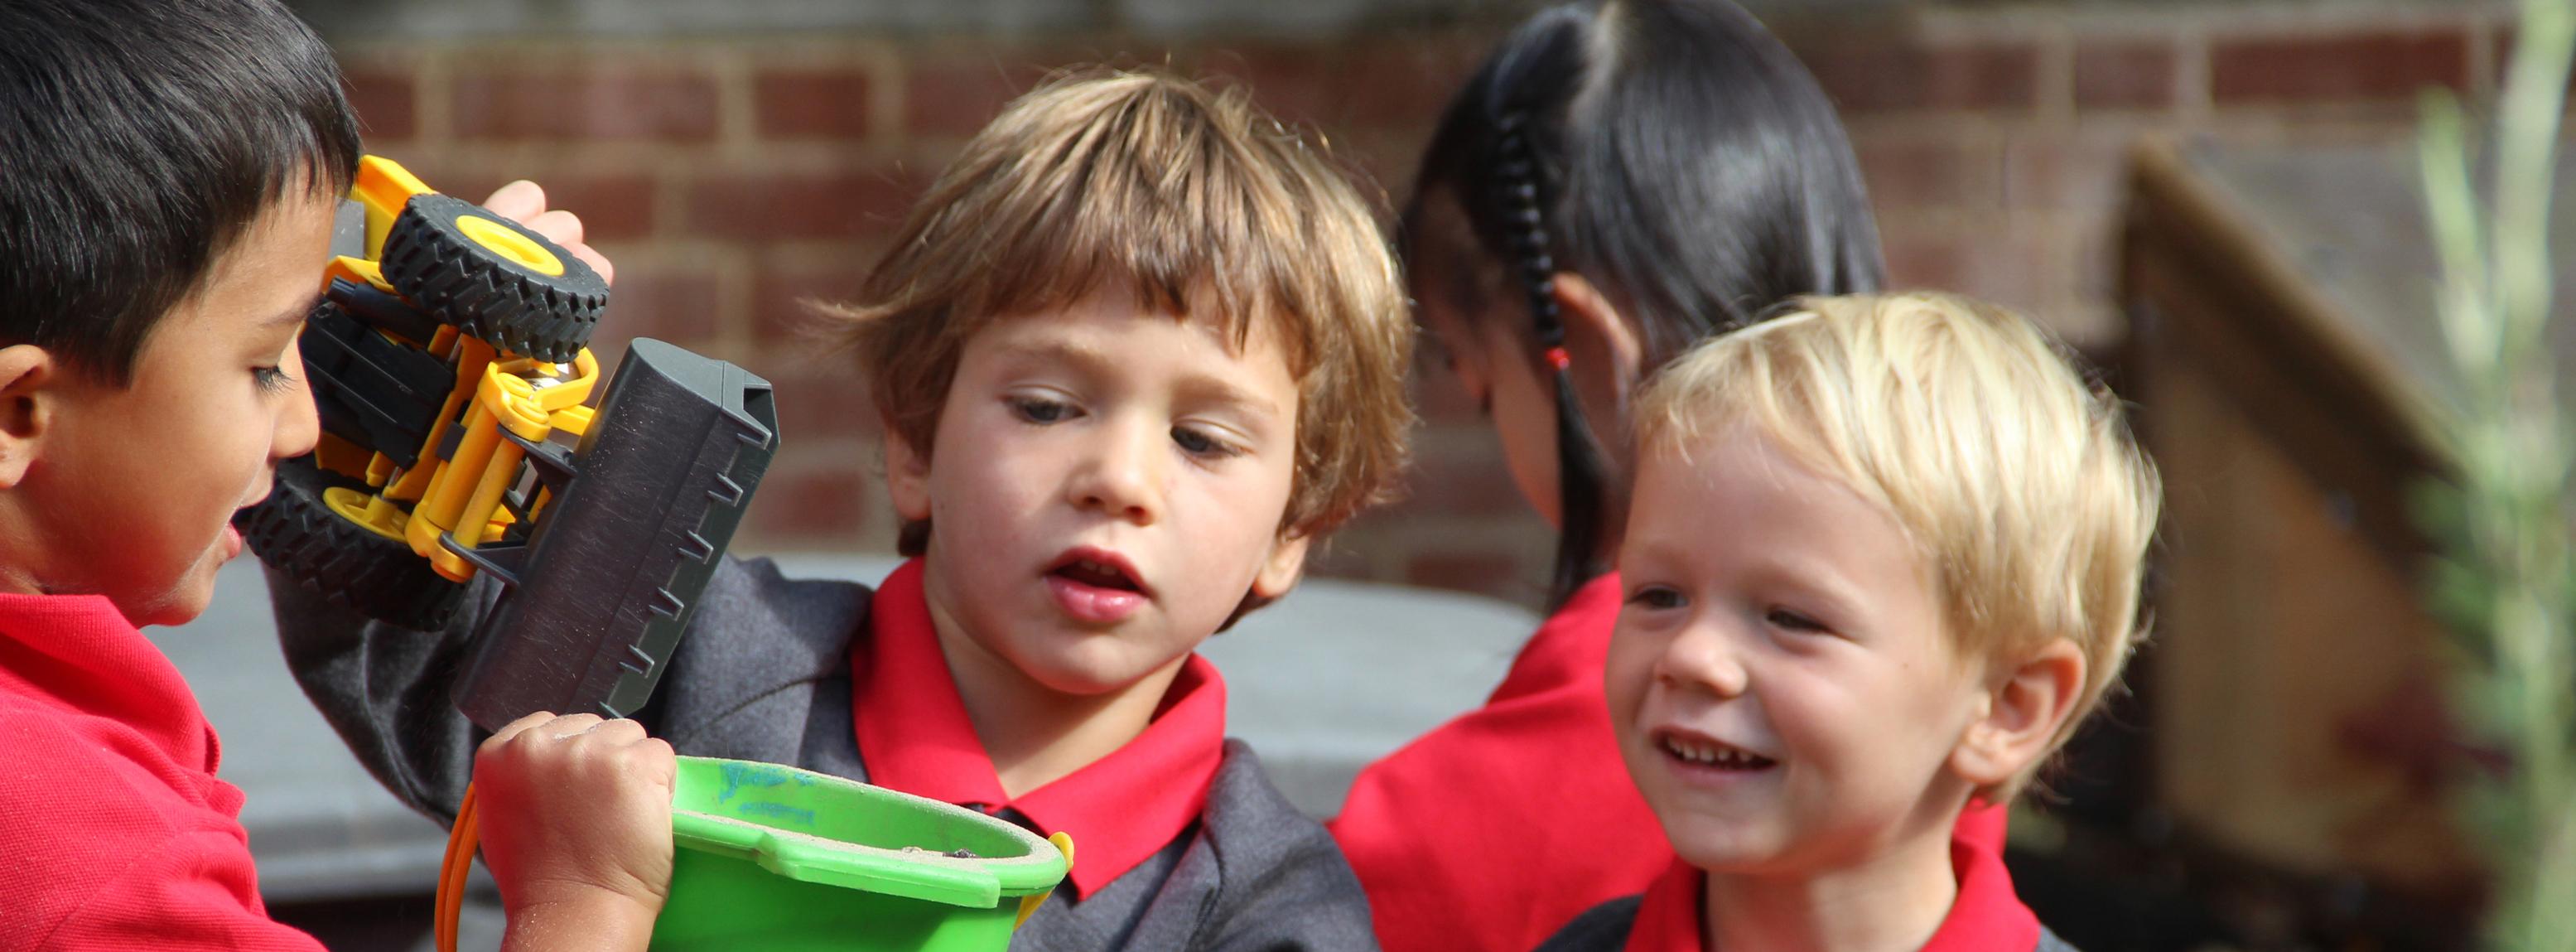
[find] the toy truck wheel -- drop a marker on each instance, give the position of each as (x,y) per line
(492,278)
(296,531)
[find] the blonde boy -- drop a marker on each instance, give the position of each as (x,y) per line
(1135,350)
(1884,557)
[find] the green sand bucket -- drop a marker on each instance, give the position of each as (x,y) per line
(776,858)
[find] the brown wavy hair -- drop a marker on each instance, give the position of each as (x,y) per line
(1204,208)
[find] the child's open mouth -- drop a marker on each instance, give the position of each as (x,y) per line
(1095,586)
(1709,753)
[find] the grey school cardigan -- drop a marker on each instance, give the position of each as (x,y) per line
(764,674)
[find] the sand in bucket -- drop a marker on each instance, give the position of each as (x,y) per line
(777,858)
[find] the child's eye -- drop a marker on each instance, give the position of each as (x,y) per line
(271,379)
(1197,443)
(1792,621)
(1656,597)
(1039,409)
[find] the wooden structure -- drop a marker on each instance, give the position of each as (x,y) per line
(2293,386)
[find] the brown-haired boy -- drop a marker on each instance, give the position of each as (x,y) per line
(1135,350)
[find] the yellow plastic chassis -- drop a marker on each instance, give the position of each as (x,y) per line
(497,390)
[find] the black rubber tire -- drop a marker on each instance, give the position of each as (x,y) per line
(487,295)
(295,532)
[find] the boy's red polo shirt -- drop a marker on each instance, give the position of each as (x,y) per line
(1987,916)
(1492,832)
(116,833)
(914,736)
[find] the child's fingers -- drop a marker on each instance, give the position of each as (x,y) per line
(515,728)
(620,732)
(524,202)
(517,201)
(662,764)
(597,262)
(536,730)
(570,726)
(559,226)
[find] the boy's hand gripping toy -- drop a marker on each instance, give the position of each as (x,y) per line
(446,360)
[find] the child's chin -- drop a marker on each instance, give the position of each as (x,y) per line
(1723,845)
(177,605)
(1087,670)
(196,590)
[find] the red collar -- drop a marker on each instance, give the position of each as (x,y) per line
(78,654)
(1985,917)
(1569,645)
(915,737)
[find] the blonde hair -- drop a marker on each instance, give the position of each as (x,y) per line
(2019,484)
(1194,201)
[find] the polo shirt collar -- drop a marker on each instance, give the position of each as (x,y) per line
(914,736)
(1987,915)
(77,653)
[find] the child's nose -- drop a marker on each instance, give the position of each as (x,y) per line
(1704,657)
(1124,475)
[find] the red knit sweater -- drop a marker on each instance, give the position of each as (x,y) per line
(114,832)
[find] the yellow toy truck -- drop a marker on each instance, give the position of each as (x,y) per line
(448,360)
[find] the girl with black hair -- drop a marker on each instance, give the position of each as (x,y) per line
(1618,181)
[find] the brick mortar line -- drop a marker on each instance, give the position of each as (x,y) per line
(2054,74)
(1938,25)
(2193,100)
(433,100)
(1916,221)
(2259,20)
(736,276)
(737,105)
(1948,123)
(687,160)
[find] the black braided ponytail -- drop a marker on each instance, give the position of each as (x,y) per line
(1581,473)
(1674,154)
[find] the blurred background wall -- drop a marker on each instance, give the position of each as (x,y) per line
(738,157)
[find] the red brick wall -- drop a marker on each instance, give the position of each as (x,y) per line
(731,178)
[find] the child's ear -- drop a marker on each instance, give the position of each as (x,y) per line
(1598,338)
(907,477)
(2019,715)
(1279,573)
(25,372)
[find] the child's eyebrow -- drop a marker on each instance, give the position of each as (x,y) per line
(1089,358)
(1820,580)
(294,315)
(1206,387)
(1198,386)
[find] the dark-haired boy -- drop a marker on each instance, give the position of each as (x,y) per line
(168,175)
(1135,350)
